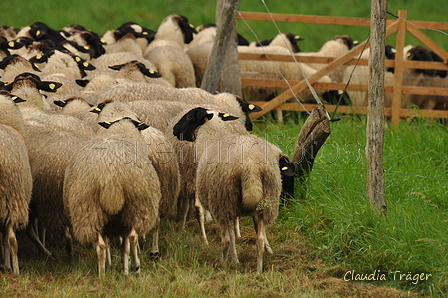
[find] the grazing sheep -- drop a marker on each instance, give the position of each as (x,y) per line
(27,86)
(15,180)
(167,52)
(187,159)
(67,63)
(142,37)
(337,47)
(162,157)
(13,65)
(48,141)
(274,70)
(111,189)
(6,45)
(287,40)
(128,92)
(233,179)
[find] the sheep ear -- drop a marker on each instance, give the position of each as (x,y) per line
(60,103)
(105,124)
(14,45)
(95,110)
(116,67)
(151,73)
(286,167)
(49,86)
(17,99)
(226,117)
(140,125)
(82,83)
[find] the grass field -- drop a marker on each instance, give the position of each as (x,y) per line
(325,238)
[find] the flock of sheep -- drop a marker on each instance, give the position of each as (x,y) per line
(103,137)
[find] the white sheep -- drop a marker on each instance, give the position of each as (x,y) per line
(237,175)
(16,181)
(111,189)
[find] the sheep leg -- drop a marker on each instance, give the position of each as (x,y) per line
(108,256)
(10,247)
(6,249)
(14,247)
(101,247)
(237,228)
(225,241)
(182,213)
(133,240)
(125,249)
(68,244)
(154,254)
(261,243)
(31,233)
(201,219)
(279,116)
(233,253)
(266,242)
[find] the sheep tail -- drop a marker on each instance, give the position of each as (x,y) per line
(111,196)
(252,188)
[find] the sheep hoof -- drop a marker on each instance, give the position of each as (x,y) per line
(154,256)
(136,271)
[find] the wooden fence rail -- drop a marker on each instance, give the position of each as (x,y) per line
(399,26)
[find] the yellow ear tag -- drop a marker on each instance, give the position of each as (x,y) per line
(103,41)
(107,122)
(37,32)
(284,168)
(297,37)
(97,109)
(11,44)
(86,47)
(191,25)
(86,64)
(393,50)
(408,54)
(355,42)
(145,33)
(77,59)
(226,115)
(205,119)
(63,101)
(52,86)
(151,71)
(251,107)
(340,92)
(10,82)
(35,65)
(38,56)
(13,98)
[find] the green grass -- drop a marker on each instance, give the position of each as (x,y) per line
(339,220)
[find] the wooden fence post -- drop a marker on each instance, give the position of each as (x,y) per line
(398,82)
(216,59)
(375,107)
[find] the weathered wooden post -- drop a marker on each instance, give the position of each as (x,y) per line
(375,106)
(215,63)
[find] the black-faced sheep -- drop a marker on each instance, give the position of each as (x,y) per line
(167,52)
(15,180)
(234,178)
(111,189)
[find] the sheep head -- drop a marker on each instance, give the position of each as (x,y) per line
(186,128)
